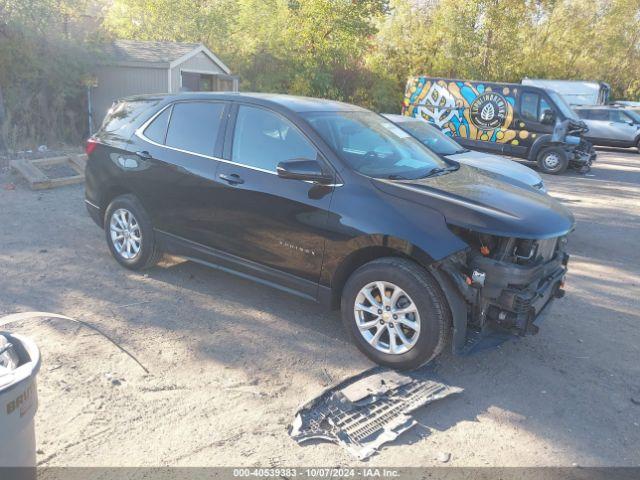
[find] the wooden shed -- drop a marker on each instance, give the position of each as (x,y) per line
(131,67)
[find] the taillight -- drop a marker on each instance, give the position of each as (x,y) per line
(90,146)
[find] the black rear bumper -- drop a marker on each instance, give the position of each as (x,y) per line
(94,212)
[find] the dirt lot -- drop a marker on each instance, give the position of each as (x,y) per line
(230,360)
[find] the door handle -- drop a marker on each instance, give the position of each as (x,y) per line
(144,155)
(233,179)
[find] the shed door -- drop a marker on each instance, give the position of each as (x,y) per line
(196,82)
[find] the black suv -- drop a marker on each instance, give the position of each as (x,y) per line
(334,203)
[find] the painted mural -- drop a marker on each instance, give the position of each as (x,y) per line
(472,110)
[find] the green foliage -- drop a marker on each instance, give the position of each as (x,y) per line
(364,50)
(359,51)
(41,71)
(306,47)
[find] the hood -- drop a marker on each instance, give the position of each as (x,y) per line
(478,201)
(501,166)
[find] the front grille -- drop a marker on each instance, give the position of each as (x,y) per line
(521,304)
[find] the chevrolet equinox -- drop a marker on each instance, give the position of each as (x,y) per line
(333,203)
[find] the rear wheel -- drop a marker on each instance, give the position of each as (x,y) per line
(553,160)
(130,233)
(396,313)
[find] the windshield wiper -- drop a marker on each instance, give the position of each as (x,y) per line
(395,176)
(441,171)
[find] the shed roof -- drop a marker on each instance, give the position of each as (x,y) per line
(155,53)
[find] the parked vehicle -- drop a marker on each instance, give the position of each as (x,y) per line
(438,142)
(575,92)
(611,126)
(519,120)
(334,203)
(627,104)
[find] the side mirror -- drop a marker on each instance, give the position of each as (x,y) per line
(548,117)
(302,169)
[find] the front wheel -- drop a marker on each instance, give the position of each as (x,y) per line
(553,160)
(396,313)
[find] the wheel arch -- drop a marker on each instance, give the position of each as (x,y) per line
(538,144)
(388,247)
(110,193)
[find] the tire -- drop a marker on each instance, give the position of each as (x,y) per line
(140,227)
(552,160)
(420,288)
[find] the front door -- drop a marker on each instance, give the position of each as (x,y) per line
(262,218)
(529,125)
(623,128)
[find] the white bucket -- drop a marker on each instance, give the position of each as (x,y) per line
(18,405)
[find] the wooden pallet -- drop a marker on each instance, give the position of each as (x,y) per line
(38,179)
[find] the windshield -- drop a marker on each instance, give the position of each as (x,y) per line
(562,105)
(374,146)
(431,137)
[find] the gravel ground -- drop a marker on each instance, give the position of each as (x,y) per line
(230,361)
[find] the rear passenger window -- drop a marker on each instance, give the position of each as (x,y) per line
(263,139)
(157,129)
(599,115)
(194,126)
(529,106)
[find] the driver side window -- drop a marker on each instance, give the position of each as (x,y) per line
(263,139)
(618,116)
(543,106)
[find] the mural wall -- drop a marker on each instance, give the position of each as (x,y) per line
(472,110)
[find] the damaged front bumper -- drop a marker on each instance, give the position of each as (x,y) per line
(582,155)
(494,298)
(513,296)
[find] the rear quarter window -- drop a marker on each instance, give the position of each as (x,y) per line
(124,117)
(157,129)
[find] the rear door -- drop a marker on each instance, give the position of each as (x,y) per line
(262,218)
(597,119)
(178,149)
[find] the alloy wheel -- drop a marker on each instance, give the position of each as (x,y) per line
(551,160)
(126,236)
(387,317)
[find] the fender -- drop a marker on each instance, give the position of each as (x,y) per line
(538,144)
(361,250)
(413,231)
(458,307)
